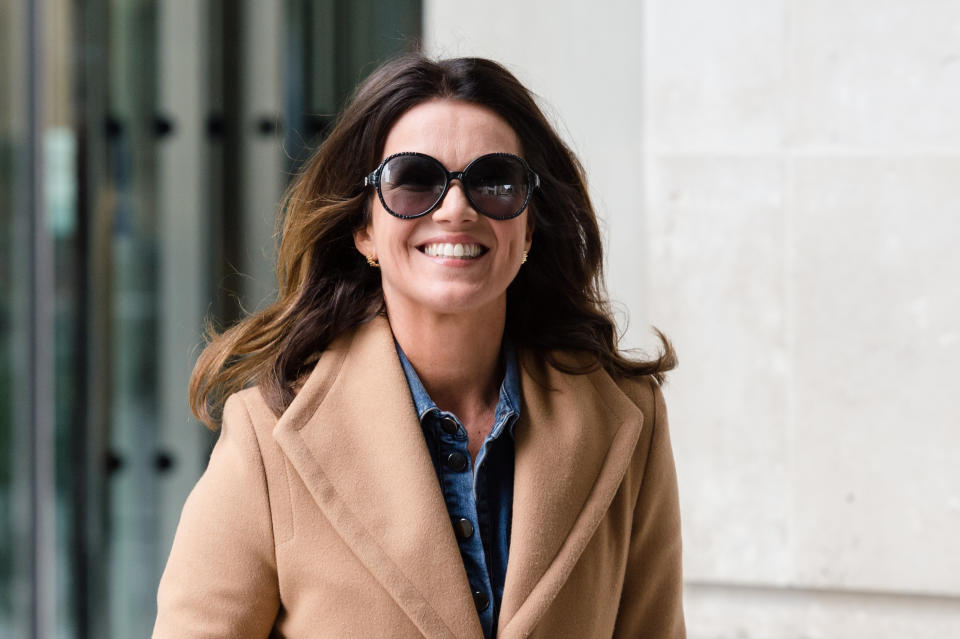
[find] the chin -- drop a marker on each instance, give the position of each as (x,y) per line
(453,303)
(453,300)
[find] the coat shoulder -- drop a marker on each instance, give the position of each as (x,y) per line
(250,409)
(645,393)
(251,401)
(642,391)
(249,406)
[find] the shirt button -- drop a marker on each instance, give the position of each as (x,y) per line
(457,461)
(480,600)
(463,527)
(449,425)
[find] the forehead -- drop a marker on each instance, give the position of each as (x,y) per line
(452,131)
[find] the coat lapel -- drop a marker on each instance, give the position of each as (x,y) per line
(353,436)
(574,441)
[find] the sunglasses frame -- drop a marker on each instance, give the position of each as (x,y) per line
(533,183)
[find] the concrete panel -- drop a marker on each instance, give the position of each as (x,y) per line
(727,612)
(588,82)
(878,335)
(877,75)
(716,285)
(715,75)
(587,75)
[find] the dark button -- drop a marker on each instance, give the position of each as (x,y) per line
(463,527)
(457,461)
(449,425)
(480,600)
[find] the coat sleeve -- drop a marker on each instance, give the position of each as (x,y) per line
(651,605)
(221,579)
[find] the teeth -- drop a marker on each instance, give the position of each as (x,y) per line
(453,250)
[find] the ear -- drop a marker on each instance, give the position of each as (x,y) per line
(363,240)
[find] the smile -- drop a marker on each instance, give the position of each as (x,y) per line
(458,251)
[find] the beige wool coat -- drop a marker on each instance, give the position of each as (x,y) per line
(329,521)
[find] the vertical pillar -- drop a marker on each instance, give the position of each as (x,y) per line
(40,329)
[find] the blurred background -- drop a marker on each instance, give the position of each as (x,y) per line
(779,188)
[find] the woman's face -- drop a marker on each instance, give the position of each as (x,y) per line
(416,276)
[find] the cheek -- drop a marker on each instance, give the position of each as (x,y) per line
(390,234)
(516,235)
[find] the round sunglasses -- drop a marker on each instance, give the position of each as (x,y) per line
(410,184)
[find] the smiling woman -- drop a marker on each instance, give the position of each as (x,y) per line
(432,432)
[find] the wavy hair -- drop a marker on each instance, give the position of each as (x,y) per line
(557,303)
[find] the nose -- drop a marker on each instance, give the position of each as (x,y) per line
(455,208)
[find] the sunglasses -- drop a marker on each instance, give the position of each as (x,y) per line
(497,185)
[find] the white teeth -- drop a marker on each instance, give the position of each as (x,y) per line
(453,250)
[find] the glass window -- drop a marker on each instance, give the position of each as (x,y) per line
(15,515)
(164,134)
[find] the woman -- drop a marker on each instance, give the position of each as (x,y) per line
(442,439)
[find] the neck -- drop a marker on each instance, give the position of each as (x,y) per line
(457,357)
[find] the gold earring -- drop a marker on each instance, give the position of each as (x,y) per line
(372,261)
(523,260)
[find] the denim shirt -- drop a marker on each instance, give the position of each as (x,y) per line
(479,497)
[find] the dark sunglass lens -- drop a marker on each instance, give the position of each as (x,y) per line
(411,184)
(497,185)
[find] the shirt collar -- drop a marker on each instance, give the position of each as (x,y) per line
(421,399)
(508,404)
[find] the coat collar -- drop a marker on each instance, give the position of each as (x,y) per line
(352,435)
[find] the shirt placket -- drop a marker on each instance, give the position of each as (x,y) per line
(490,473)
(457,481)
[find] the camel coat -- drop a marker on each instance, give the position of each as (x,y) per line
(329,521)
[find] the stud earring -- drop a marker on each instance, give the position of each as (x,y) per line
(372,261)
(523,260)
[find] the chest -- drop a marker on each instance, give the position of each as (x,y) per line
(324,584)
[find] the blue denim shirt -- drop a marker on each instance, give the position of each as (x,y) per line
(479,497)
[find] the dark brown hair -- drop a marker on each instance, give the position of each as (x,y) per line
(556,303)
